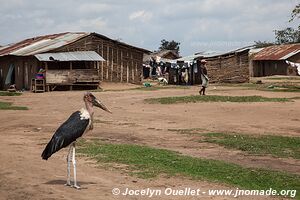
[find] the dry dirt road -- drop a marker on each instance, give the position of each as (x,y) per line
(23,134)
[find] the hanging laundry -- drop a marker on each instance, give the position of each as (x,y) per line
(195,66)
(186,76)
(296,65)
(10,75)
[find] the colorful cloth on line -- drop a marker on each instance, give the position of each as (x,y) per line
(292,64)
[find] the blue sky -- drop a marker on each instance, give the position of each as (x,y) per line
(199,25)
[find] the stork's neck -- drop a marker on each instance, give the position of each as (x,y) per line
(89,107)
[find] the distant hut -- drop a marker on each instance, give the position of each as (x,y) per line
(70,60)
(228,67)
(271,60)
(155,58)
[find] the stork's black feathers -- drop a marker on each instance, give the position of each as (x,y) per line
(67,133)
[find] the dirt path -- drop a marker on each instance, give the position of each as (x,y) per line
(23,175)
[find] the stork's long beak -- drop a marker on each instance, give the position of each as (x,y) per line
(99,104)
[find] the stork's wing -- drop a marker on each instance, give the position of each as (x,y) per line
(67,133)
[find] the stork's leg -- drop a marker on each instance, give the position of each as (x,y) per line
(74,165)
(69,157)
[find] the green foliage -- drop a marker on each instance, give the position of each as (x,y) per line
(261,44)
(169,45)
(287,36)
(295,13)
(8,106)
(5,93)
(147,162)
(213,98)
(278,146)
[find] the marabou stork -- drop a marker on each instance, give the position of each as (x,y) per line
(77,124)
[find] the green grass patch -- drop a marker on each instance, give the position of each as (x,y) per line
(281,88)
(152,88)
(8,106)
(284,78)
(277,146)
(5,93)
(214,98)
(189,131)
(147,162)
(271,87)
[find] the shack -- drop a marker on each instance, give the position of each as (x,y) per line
(271,60)
(71,59)
(227,67)
(157,59)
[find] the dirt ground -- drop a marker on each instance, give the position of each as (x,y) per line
(24,175)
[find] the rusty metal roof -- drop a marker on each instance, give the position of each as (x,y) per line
(70,56)
(41,44)
(46,43)
(278,52)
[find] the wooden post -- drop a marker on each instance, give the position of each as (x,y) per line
(46,69)
(117,70)
(127,71)
(132,67)
(97,66)
(121,66)
(102,62)
(107,62)
(112,64)
(71,65)
(136,71)
(46,66)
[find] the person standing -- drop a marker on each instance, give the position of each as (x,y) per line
(204,77)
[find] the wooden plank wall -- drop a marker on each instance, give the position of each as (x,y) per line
(20,64)
(122,63)
(71,76)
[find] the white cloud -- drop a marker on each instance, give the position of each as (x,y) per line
(141,15)
(94,8)
(145,23)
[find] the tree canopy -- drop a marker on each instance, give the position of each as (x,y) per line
(169,45)
(295,12)
(288,35)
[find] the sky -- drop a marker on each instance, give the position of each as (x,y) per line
(199,25)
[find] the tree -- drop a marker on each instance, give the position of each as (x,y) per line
(261,44)
(169,45)
(295,13)
(287,36)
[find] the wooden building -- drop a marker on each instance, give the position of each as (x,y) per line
(228,67)
(271,60)
(70,59)
(161,55)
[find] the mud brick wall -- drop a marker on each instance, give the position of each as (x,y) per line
(229,69)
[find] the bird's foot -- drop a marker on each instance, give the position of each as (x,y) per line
(68,184)
(76,187)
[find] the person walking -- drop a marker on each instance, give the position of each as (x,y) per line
(204,77)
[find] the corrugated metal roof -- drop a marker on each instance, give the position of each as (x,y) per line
(212,54)
(189,58)
(278,52)
(46,43)
(70,56)
(254,51)
(41,44)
